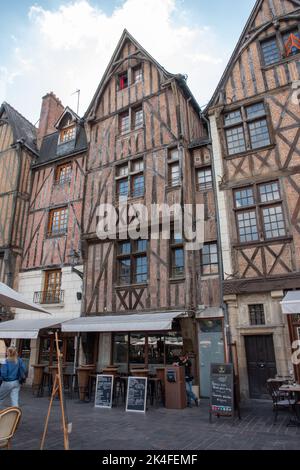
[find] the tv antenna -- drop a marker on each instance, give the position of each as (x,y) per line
(78,99)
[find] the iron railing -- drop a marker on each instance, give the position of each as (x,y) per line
(48,297)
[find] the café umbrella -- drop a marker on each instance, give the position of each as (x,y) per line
(13,299)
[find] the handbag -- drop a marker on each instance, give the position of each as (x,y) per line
(21,374)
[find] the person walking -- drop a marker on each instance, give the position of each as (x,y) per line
(186,362)
(13,374)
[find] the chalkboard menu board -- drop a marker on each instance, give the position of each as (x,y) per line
(136,394)
(104,391)
(222,391)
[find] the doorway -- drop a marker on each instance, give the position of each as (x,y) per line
(261,364)
(211,349)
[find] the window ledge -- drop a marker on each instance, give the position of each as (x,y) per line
(262,243)
(131,286)
(281,62)
(173,188)
(129,133)
(249,152)
(176,280)
(56,235)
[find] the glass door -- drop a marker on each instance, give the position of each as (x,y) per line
(211,350)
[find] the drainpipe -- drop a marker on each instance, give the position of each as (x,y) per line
(224,306)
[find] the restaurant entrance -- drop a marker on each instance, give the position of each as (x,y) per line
(261,364)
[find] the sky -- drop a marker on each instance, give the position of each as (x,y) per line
(65,45)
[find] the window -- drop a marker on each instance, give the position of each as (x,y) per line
(132,262)
(204,179)
(284,44)
(124,123)
(259,212)
(52,289)
(137,74)
(130,179)
(248,124)
(174,174)
(270,51)
(63,173)
(138,118)
(131,120)
(123,81)
(177,255)
(210,263)
(58,221)
(174,178)
(257,314)
(67,134)
(291,40)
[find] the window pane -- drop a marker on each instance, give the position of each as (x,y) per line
(138,119)
(124,248)
(125,123)
(141,269)
(269,192)
(255,110)
(210,259)
(142,245)
(137,74)
(235,140)
(247,226)
(177,262)
(173,347)
(122,170)
(270,50)
(290,42)
(233,118)
(259,134)
(122,188)
(138,165)
(204,179)
(173,154)
(257,314)
(123,81)
(124,271)
(67,134)
(274,222)
(174,174)
(244,198)
(59,221)
(156,350)
(63,173)
(121,351)
(137,348)
(138,186)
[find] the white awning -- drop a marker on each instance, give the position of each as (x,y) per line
(291,303)
(12,298)
(122,323)
(27,328)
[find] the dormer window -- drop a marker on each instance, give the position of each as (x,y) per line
(123,81)
(67,134)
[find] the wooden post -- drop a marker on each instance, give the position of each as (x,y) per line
(57,389)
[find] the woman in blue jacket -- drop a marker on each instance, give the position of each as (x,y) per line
(12,373)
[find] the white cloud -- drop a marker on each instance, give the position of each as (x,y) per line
(69,48)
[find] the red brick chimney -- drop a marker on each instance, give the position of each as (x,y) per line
(51,110)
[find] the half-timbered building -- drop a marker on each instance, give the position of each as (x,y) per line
(51,270)
(18,151)
(254,117)
(146,300)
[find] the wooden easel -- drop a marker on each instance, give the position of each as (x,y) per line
(57,388)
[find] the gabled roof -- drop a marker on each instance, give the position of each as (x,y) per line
(126,36)
(242,42)
(22,129)
(70,111)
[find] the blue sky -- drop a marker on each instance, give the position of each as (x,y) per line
(64,45)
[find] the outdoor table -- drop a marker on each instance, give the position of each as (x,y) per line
(139,372)
(295,390)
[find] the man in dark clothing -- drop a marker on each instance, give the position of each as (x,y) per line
(186,362)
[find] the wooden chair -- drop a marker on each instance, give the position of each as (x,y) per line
(280,402)
(9,420)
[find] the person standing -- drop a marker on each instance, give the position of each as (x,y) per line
(13,374)
(186,362)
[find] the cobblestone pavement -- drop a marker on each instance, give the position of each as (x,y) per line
(97,429)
